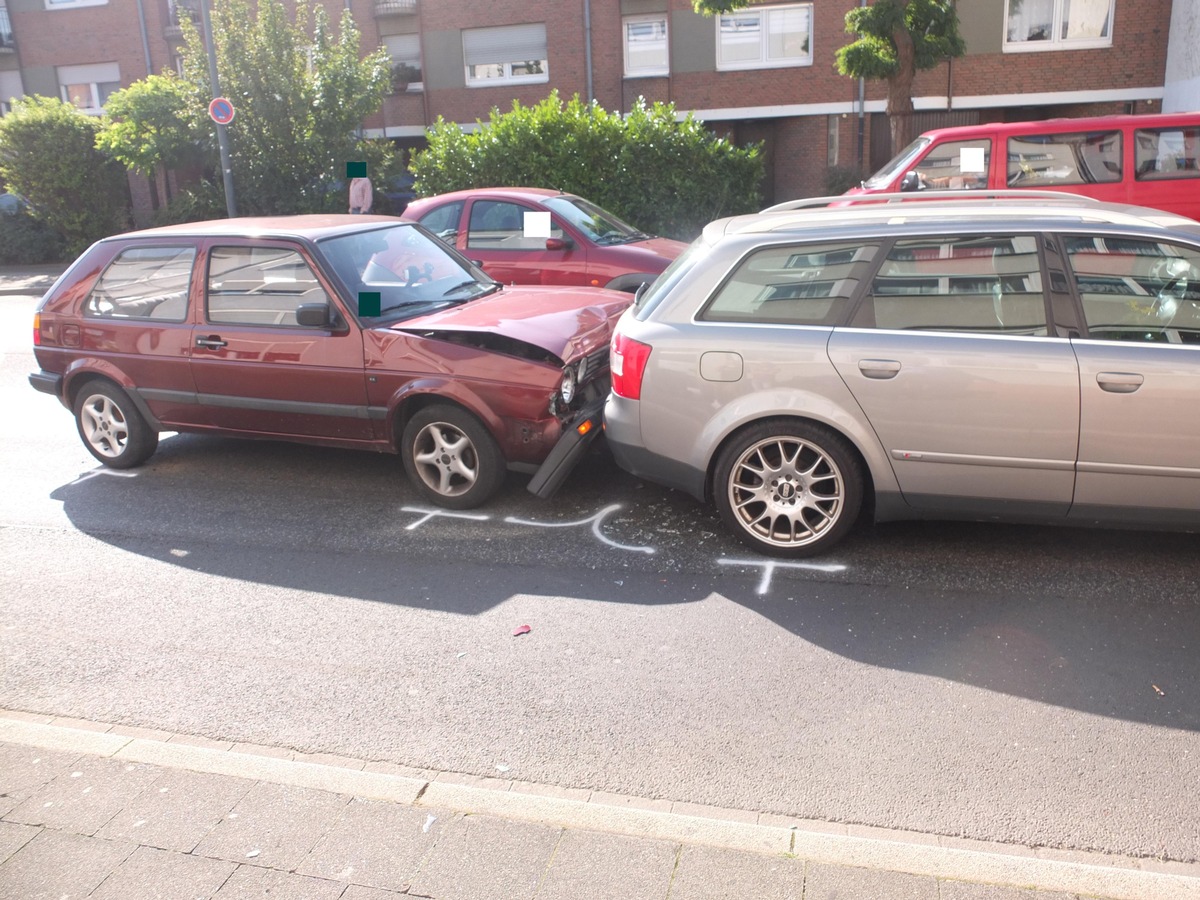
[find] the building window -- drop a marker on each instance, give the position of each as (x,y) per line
(10,87)
(89,87)
(71,4)
(405,51)
(515,54)
(646,48)
(765,37)
(6,33)
(1058,24)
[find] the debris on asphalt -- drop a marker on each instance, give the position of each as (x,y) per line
(521,629)
(252,854)
(501,767)
(1158,690)
(428,823)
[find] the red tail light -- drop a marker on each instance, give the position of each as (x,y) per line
(628,364)
(37,329)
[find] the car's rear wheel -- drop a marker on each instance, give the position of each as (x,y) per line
(789,488)
(111,427)
(451,457)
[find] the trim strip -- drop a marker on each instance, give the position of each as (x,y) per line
(292,407)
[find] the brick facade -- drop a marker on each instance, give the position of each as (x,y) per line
(807,117)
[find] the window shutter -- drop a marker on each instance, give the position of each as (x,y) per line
(513,43)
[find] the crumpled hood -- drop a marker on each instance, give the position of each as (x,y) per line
(569,322)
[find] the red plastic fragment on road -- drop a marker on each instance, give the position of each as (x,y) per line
(522,629)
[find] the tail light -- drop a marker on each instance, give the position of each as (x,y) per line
(37,329)
(628,364)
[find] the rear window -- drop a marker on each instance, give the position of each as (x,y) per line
(144,283)
(1085,157)
(1164,153)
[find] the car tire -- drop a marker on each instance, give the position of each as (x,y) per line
(788,488)
(451,457)
(111,427)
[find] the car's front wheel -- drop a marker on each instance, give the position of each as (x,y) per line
(788,488)
(451,457)
(111,427)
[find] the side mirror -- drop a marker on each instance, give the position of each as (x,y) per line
(910,182)
(313,315)
(560,244)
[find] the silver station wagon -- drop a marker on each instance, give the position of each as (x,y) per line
(1033,359)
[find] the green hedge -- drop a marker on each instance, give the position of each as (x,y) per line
(25,240)
(664,175)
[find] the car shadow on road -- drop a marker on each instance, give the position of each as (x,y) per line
(1104,622)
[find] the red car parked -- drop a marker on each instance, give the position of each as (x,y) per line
(537,236)
(346,331)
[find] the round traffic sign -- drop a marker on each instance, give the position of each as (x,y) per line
(221,111)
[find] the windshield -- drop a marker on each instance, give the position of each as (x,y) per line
(600,226)
(900,163)
(405,268)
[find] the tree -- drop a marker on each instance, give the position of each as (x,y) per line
(300,93)
(666,176)
(896,39)
(146,128)
(48,155)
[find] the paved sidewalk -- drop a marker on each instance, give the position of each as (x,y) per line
(34,280)
(118,813)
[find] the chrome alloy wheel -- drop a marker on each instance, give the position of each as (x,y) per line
(102,424)
(786,491)
(445,459)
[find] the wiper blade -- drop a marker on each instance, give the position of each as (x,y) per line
(487,288)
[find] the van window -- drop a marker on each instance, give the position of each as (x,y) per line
(1167,153)
(1089,157)
(956,165)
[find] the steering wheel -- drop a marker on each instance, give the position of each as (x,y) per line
(413,275)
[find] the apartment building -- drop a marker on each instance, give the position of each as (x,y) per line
(764,74)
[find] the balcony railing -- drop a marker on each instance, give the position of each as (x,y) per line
(7,43)
(395,7)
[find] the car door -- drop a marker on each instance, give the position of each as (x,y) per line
(522,244)
(951,358)
(258,371)
(1139,443)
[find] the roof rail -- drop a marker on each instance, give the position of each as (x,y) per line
(909,196)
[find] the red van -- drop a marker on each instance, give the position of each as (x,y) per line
(1144,160)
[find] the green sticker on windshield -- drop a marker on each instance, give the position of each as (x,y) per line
(368,303)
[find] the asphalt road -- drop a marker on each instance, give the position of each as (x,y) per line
(1031,685)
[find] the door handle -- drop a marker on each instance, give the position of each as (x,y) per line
(1119,382)
(212,343)
(879,368)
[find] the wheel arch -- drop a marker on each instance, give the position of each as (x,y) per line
(419,395)
(82,373)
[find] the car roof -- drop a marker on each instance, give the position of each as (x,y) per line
(531,194)
(307,227)
(950,209)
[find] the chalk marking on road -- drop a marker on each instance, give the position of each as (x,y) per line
(88,476)
(769,566)
(595,522)
(427,514)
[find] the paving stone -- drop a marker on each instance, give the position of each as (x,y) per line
(375,844)
(280,824)
(711,873)
(177,811)
(482,858)
(24,770)
(358,892)
(84,797)
(55,865)
(827,882)
(152,874)
(253,883)
(594,866)
(961,890)
(13,837)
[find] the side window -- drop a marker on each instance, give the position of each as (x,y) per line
(797,285)
(1167,153)
(978,284)
(443,221)
(259,286)
(1137,290)
(500,225)
(956,166)
(1092,157)
(144,283)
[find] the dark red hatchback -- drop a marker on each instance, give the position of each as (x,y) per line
(345,331)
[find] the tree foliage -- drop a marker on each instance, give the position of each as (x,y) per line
(48,155)
(300,92)
(895,40)
(666,176)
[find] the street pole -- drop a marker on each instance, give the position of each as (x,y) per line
(222,137)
